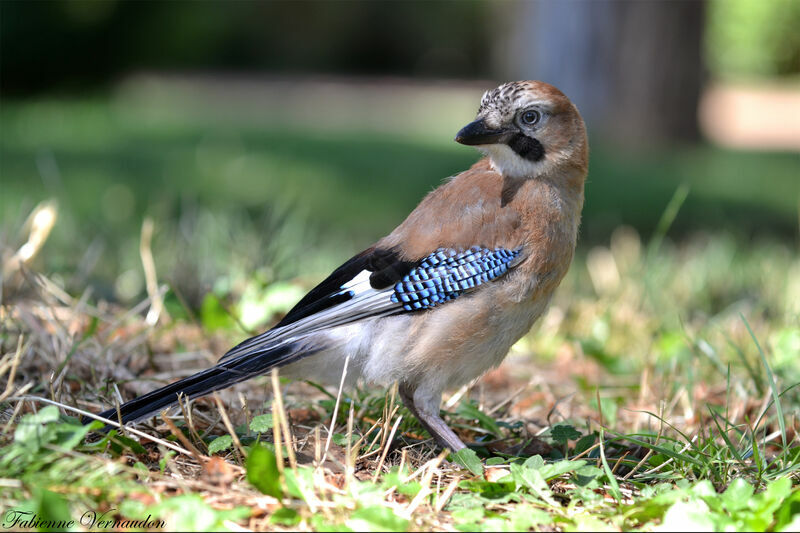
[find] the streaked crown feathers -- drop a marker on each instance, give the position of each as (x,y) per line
(515,94)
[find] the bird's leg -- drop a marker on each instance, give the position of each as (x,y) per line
(431,421)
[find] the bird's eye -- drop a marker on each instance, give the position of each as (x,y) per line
(530,118)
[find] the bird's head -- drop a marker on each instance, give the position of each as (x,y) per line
(527,128)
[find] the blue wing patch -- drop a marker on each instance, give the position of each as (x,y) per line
(446,274)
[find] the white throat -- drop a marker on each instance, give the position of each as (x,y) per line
(507,162)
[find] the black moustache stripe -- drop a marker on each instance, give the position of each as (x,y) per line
(527,147)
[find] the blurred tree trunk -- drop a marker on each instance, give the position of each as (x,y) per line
(634,68)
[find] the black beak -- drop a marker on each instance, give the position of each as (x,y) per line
(476,133)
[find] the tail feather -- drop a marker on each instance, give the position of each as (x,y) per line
(218,377)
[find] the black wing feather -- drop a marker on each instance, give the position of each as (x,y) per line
(387,269)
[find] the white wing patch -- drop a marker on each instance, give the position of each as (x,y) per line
(359,284)
(365,302)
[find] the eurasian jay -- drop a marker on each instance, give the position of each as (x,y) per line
(443,297)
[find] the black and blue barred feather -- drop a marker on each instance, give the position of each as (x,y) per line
(446,274)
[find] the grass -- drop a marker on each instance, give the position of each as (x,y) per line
(654,394)
(658,392)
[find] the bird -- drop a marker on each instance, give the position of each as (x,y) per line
(441,299)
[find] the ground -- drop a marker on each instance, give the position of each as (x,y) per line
(636,402)
(658,392)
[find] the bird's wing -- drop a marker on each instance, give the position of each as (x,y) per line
(379,282)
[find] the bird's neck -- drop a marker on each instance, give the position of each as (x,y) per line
(548,203)
(565,181)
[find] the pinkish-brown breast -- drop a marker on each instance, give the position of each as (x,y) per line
(479,208)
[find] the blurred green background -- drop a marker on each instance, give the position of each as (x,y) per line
(271,140)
